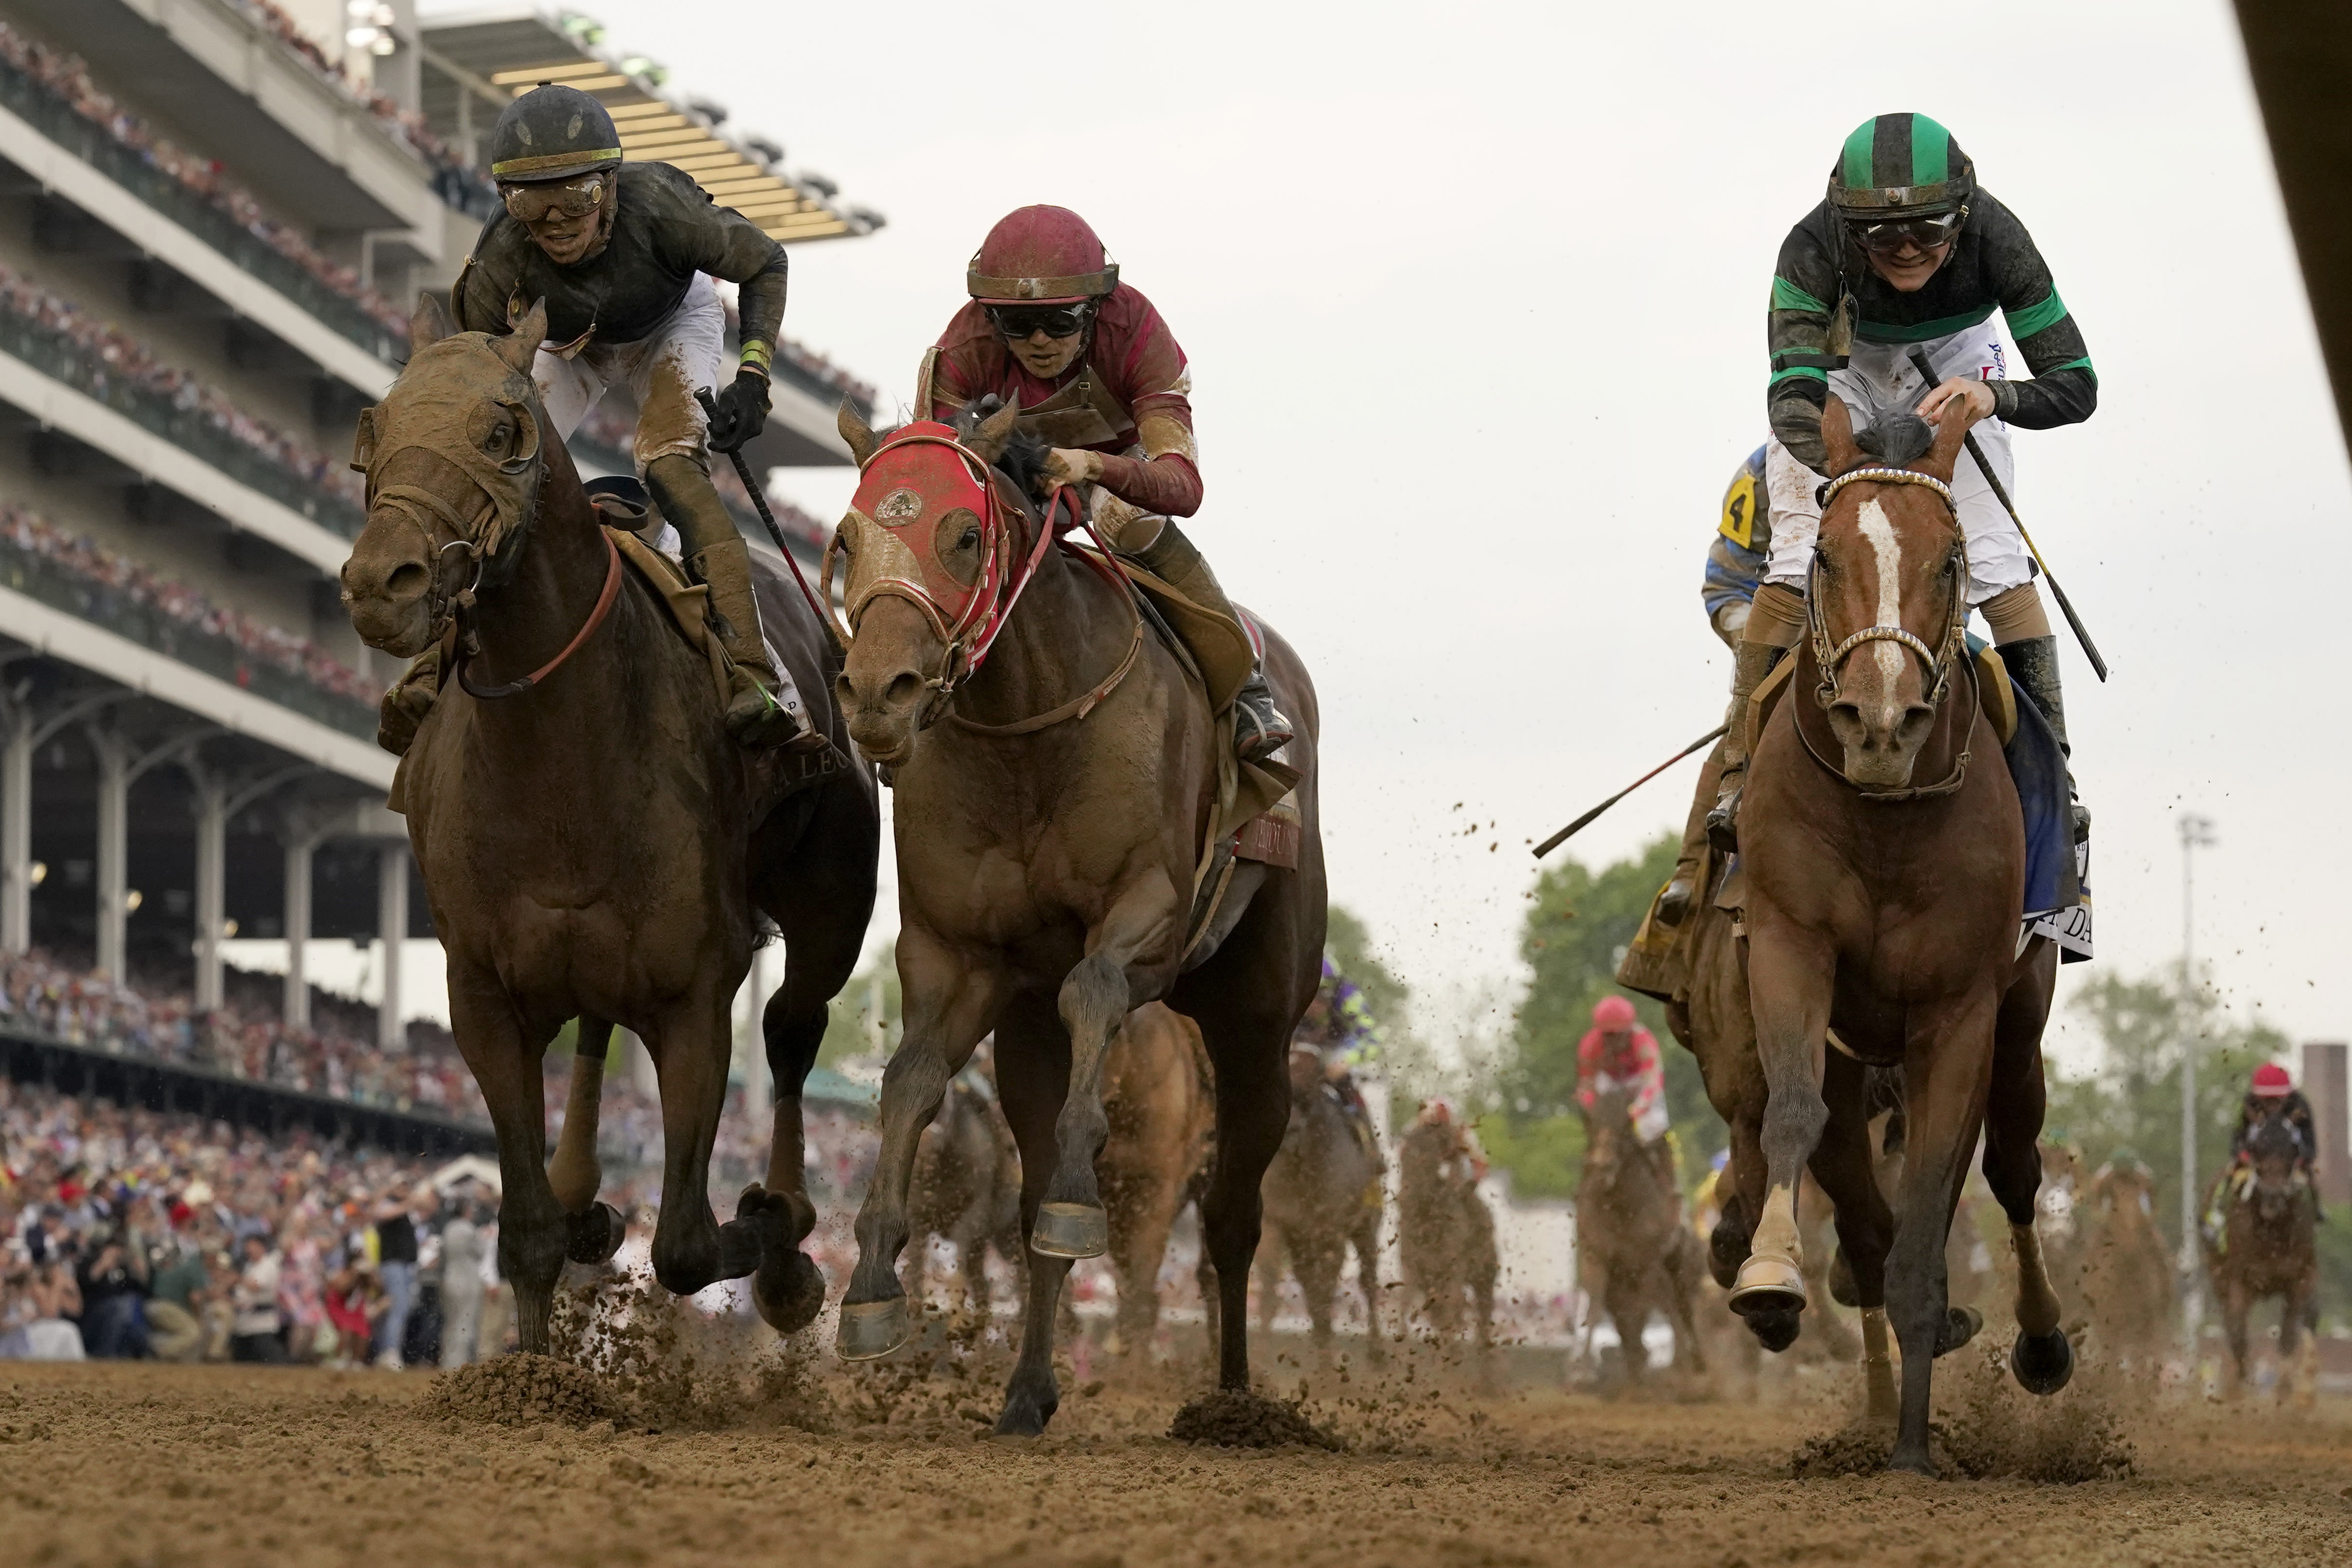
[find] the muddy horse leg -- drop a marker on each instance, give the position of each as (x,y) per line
(1365,1239)
(690,1050)
(2042,1359)
(949,1005)
(1032,1076)
(1865,1226)
(1788,974)
(1317,1264)
(595,1230)
(533,1227)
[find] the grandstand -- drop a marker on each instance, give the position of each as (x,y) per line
(211,213)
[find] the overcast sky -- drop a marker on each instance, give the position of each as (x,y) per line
(1474,300)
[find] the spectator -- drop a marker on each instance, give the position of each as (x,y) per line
(257,1333)
(177,1290)
(396,1251)
(113,1282)
(353,1295)
(45,1299)
(461,1287)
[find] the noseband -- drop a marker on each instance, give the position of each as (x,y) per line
(1938,661)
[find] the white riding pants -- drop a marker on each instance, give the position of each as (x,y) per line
(1882,376)
(662,370)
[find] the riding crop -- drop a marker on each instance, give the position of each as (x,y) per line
(1563,836)
(759,504)
(2066,605)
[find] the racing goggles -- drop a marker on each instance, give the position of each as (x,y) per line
(532,204)
(1892,234)
(1018,321)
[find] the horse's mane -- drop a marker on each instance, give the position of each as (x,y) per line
(1023,459)
(1897,438)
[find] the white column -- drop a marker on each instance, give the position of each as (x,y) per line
(113,846)
(300,844)
(16,831)
(392,929)
(212,852)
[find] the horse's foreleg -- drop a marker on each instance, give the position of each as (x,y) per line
(574,1173)
(1865,1226)
(2042,1359)
(950,1005)
(1095,1001)
(1788,974)
(1365,1239)
(531,1225)
(690,1053)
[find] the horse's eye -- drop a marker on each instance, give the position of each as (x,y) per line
(496,441)
(970,539)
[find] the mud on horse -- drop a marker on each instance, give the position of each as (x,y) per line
(1886,879)
(592,843)
(1051,809)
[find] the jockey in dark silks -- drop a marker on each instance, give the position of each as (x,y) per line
(2272,1095)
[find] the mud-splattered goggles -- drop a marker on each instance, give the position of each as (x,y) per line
(576,198)
(1018,321)
(1897,234)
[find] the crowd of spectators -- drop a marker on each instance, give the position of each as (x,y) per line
(811,363)
(131,1234)
(108,363)
(66,77)
(27,531)
(614,430)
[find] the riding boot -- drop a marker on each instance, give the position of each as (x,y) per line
(763,708)
(2032,663)
(404,708)
(1756,660)
(1260,729)
(1681,892)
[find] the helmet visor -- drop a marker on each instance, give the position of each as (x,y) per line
(1891,235)
(571,198)
(1018,321)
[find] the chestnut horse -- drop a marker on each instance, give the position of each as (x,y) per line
(2269,1248)
(1631,1246)
(1884,885)
(1322,1197)
(593,844)
(1049,831)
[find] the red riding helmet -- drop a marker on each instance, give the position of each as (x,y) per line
(1612,1014)
(2271,1082)
(1041,256)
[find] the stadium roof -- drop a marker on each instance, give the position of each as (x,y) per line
(478,59)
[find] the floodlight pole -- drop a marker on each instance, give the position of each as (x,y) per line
(2196,833)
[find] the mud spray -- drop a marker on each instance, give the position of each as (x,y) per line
(1990,1427)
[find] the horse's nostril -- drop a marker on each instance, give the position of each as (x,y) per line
(407,581)
(903,689)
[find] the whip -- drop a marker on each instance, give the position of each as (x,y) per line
(759,504)
(1563,836)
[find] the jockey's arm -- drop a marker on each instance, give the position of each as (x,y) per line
(724,243)
(1797,332)
(2064,389)
(1648,1070)
(1167,478)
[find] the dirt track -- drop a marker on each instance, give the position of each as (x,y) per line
(114,1463)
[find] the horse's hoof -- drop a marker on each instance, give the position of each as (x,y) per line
(1960,1325)
(1727,1249)
(1768,1284)
(788,1291)
(1025,1418)
(596,1234)
(872,1330)
(1918,1464)
(1775,1330)
(1070,1231)
(1843,1290)
(2044,1363)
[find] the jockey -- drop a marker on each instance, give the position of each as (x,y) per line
(2272,1094)
(1617,1052)
(1339,1029)
(623,254)
(1439,1119)
(1099,377)
(1905,253)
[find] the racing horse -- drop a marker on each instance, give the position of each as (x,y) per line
(1445,1232)
(2269,1246)
(592,843)
(2128,1282)
(1884,884)
(1156,1158)
(1322,1197)
(1058,777)
(1631,1241)
(966,1188)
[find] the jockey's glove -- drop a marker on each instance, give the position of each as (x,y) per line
(743,411)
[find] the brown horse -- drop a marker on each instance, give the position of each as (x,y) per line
(1631,1246)
(1161,1111)
(1322,1197)
(2127,1283)
(593,844)
(1049,830)
(2269,1246)
(966,1188)
(1885,881)
(1445,1232)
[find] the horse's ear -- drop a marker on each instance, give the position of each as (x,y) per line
(429,322)
(1951,429)
(1837,435)
(856,432)
(519,347)
(994,433)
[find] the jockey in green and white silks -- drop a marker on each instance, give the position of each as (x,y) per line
(1906,253)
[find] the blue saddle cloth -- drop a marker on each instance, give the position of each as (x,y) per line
(2054,879)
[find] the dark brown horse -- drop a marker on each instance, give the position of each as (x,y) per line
(1445,1232)
(1322,1197)
(1631,1246)
(593,844)
(1884,882)
(1050,826)
(2269,1248)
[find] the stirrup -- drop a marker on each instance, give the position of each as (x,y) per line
(1260,729)
(1675,903)
(1723,823)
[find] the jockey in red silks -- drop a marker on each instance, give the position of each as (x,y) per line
(1617,1052)
(1099,378)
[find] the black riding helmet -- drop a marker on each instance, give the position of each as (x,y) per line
(1902,172)
(552,133)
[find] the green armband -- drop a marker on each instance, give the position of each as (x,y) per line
(757,355)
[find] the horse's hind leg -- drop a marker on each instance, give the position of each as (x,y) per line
(690,1052)
(2042,1359)
(1032,1076)
(1365,1239)
(1865,1226)
(532,1225)
(596,1230)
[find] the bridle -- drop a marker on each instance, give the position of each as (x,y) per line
(1939,661)
(511,486)
(969,624)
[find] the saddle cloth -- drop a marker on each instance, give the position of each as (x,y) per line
(688,603)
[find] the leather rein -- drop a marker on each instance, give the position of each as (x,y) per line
(1938,661)
(970,632)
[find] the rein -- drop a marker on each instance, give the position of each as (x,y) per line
(1938,661)
(467,640)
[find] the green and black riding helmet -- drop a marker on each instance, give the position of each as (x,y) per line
(1901,179)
